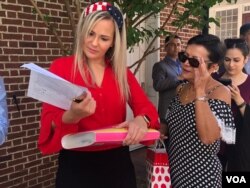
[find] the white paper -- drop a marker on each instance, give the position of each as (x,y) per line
(50,88)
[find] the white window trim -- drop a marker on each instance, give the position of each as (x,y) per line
(212,13)
(221,7)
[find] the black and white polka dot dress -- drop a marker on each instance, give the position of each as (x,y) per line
(192,163)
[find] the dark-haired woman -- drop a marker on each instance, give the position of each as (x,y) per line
(198,117)
(238,155)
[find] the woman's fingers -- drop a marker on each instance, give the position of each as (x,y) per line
(135,134)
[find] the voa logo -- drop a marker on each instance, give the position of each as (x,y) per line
(236,179)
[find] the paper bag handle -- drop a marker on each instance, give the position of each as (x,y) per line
(159,144)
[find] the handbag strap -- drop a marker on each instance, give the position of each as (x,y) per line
(159,144)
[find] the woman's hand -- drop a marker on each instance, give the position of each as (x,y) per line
(137,128)
(235,94)
(79,110)
(201,77)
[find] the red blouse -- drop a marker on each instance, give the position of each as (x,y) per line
(110,109)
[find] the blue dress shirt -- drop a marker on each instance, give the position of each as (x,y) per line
(247,66)
(4,121)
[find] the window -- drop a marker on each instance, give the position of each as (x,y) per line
(228,20)
(230,16)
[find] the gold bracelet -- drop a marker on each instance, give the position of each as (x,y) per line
(203,99)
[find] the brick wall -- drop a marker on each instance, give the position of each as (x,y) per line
(185,33)
(24,38)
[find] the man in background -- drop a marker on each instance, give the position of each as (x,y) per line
(4,121)
(245,34)
(165,76)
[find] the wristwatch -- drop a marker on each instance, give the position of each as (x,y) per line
(146,119)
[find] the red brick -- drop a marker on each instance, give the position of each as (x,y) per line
(25,184)
(18,155)
(23,2)
(41,38)
(13,44)
(6,184)
(26,16)
(32,182)
(18,174)
(41,4)
(27,30)
(27,23)
(15,136)
(27,38)
(33,169)
(4,58)
(12,36)
(11,22)
(39,24)
(11,7)
(41,31)
(53,6)
(6,171)
(12,1)
(31,151)
(11,15)
(28,9)
(3,165)
(17,142)
(4,178)
(19,167)
(28,58)
(2,13)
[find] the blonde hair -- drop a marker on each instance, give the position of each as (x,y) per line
(118,52)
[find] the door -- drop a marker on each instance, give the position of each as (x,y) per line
(246,18)
(149,63)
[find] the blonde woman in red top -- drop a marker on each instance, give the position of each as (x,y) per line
(99,64)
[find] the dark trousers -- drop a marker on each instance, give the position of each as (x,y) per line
(99,169)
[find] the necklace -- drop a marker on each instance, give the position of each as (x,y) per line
(188,91)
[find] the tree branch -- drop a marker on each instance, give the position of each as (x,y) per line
(78,10)
(153,40)
(49,26)
(141,20)
(144,56)
(70,15)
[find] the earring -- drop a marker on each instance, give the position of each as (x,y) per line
(216,71)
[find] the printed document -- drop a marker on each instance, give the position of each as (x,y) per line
(50,88)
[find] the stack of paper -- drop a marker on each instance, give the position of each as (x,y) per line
(50,88)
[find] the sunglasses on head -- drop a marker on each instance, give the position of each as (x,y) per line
(193,62)
(234,42)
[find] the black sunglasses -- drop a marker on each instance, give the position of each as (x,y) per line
(192,61)
(234,42)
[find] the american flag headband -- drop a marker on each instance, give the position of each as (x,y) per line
(104,6)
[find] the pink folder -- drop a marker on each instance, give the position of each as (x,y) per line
(102,136)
